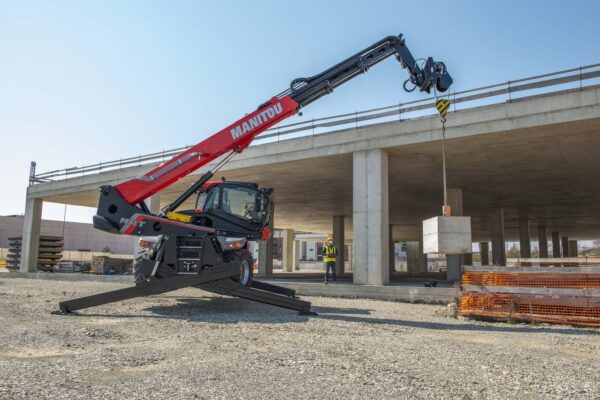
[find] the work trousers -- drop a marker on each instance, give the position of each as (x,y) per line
(330,265)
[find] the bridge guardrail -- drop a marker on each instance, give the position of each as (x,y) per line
(510,90)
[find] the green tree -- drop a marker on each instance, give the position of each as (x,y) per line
(106,249)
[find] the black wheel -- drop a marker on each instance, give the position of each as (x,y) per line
(244,258)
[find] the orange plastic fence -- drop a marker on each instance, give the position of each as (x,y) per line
(564,280)
(577,307)
(580,262)
(582,311)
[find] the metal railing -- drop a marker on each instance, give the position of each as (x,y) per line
(492,94)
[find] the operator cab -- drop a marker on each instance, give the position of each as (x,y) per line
(237,208)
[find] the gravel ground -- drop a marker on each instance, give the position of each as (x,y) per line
(193,345)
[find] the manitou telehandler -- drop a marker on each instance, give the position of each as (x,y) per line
(207,247)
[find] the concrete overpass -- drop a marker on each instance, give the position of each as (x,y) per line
(520,165)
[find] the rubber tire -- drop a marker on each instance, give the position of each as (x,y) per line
(244,258)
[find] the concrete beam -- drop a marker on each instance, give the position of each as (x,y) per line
(524,239)
(543,242)
(370,223)
(484,253)
(338,242)
(30,244)
(556,244)
(497,233)
(288,250)
(455,261)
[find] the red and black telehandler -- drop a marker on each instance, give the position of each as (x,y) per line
(207,247)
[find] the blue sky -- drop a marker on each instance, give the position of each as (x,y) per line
(82,81)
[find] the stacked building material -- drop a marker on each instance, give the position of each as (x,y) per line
(49,253)
(13,258)
(564,295)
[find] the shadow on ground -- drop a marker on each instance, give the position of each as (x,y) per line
(231,310)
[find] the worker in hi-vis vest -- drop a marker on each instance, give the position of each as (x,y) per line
(329,256)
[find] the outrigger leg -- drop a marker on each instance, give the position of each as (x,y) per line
(217,282)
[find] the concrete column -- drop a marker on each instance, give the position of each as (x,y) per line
(296,255)
(573,248)
(524,238)
(392,252)
(153,203)
(565,247)
(497,233)
(543,241)
(350,258)
(288,250)
(484,252)
(370,222)
(468,259)
(556,244)
(30,244)
(455,261)
(265,249)
(412,257)
(338,242)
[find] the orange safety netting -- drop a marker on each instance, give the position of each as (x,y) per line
(579,262)
(486,294)
(575,310)
(563,280)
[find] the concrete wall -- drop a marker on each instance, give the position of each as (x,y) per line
(77,235)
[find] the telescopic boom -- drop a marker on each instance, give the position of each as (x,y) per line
(302,91)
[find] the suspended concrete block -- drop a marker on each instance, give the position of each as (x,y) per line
(447,235)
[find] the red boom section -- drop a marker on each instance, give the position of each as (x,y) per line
(236,137)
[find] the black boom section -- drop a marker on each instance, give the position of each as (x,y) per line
(425,76)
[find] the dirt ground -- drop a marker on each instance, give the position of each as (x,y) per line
(193,345)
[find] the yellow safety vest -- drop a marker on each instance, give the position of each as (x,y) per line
(330,253)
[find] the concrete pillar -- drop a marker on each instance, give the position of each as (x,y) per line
(392,252)
(565,246)
(484,253)
(556,244)
(468,259)
(30,244)
(350,258)
(524,238)
(497,233)
(422,260)
(297,255)
(288,250)
(265,249)
(455,261)
(153,203)
(338,242)
(370,222)
(543,241)
(412,257)
(573,248)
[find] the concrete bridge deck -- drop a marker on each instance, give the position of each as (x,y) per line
(516,166)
